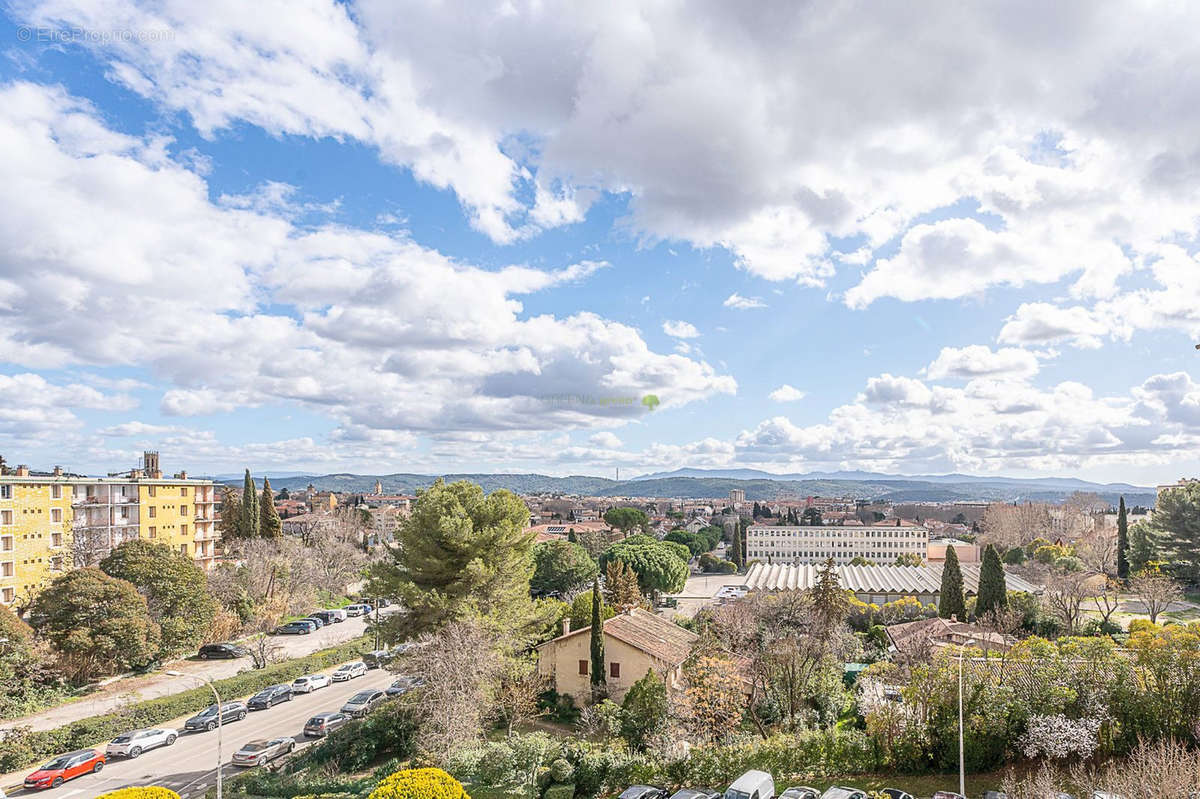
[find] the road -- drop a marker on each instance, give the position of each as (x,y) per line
(188,767)
(137,689)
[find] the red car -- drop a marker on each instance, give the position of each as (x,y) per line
(66,767)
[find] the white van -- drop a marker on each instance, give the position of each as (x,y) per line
(752,785)
(337,614)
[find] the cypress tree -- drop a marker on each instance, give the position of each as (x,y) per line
(250,519)
(953,603)
(735,551)
(597,632)
(993,592)
(1122,541)
(269,524)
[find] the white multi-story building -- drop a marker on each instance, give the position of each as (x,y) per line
(881,545)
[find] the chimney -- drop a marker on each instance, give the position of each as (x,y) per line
(566,627)
(58,471)
(22,470)
(183,475)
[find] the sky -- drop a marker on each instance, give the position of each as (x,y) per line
(568,238)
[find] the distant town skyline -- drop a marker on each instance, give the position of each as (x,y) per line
(569,243)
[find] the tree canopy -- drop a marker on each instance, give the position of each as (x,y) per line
(560,566)
(174,587)
(953,602)
(461,554)
(627,519)
(1176,520)
(993,591)
(98,624)
(644,710)
(660,566)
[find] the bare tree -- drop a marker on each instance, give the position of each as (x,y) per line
(1010,526)
(517,692)
(264,649)
(90,543)
(1107,599)
(1156,593)
(1064,597)
(1097,549)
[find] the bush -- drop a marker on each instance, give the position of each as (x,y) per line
(388,732)
(561,770)
(559,791)
(24,748)
(1015,556)
(148,792)
(420,783)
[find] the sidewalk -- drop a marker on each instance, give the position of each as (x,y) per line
(152,686)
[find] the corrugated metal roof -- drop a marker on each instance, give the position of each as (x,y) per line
(871,579)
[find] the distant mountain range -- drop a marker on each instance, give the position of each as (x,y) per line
(758,485)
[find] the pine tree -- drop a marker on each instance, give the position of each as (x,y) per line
(830,601)
(993,592)
(1143,547)
(269,524)
(953,603)
(1176,526)
(597,633)
(1122,541)
(250,521)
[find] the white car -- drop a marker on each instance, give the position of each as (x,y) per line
(348,671)
(309,683)
(133,743)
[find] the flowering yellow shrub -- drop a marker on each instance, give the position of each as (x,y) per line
(148,792)
(419,783)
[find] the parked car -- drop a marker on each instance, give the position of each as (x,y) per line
(348,671)
(995,795)
(207,719)
(363,703)
(643,792)
(400,687)
(896,793)
(269,697)
(317,620)
(696,793)
(65,767)
(379,658)
(842,792)
(752,785)
(800,792)
(330,616)
(310,682)
(299,627)
(131,744)
(322,724)
(948,795)
(357,610)
(256,753)
(222,651)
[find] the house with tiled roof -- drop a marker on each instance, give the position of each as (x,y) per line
(634,643)
(916,641)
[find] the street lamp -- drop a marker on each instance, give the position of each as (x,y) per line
(216,696)
(962,770)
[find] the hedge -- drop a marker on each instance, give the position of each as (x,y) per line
(23,747)
(148,792)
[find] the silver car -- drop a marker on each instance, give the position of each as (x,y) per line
(362,703)
(256,753)
(309,683)
(133,743)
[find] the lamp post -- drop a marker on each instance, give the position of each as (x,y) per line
(962,769)
(216,696)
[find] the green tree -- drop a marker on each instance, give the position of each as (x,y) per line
(26,676)
(909,559)
(626,519)
(830,601)
(953,602)
(250,520)
(993,591)
(1015,556)
(811,517)
(644,710)
(1143,547)
(269,524)
(98,624)
(1122,541)
(737,552)
(230,522)
(621,589)
(460,555)
(175,589)
(580,611)
(560,566)
(597,644)
(660,566)
(1176,521)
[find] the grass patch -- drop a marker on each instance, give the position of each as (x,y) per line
(23,747)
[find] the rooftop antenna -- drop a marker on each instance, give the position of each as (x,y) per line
(618,474)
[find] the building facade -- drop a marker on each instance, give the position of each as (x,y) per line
(881,545)
(52,522)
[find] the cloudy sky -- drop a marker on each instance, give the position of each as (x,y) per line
(535,236)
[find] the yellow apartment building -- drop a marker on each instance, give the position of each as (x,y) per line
(51,522)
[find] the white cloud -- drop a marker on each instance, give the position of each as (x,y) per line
(740,303)
(1043,323)
(680,329)
(786,393)
(605,440)
(980,361)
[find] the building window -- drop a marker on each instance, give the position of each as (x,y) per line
(5,517)
(56,515)
(183,549)
(183,510)
(153,532)
(6,543)
(7,568)
(614,670)
(56,492)
(56,539)
(153,511)
(183,529)
(56,563)
(183,491)
(151,490)
(124,513)
(7,595)
(5,492)
(583,667)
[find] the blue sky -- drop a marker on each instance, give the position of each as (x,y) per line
(343,242)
